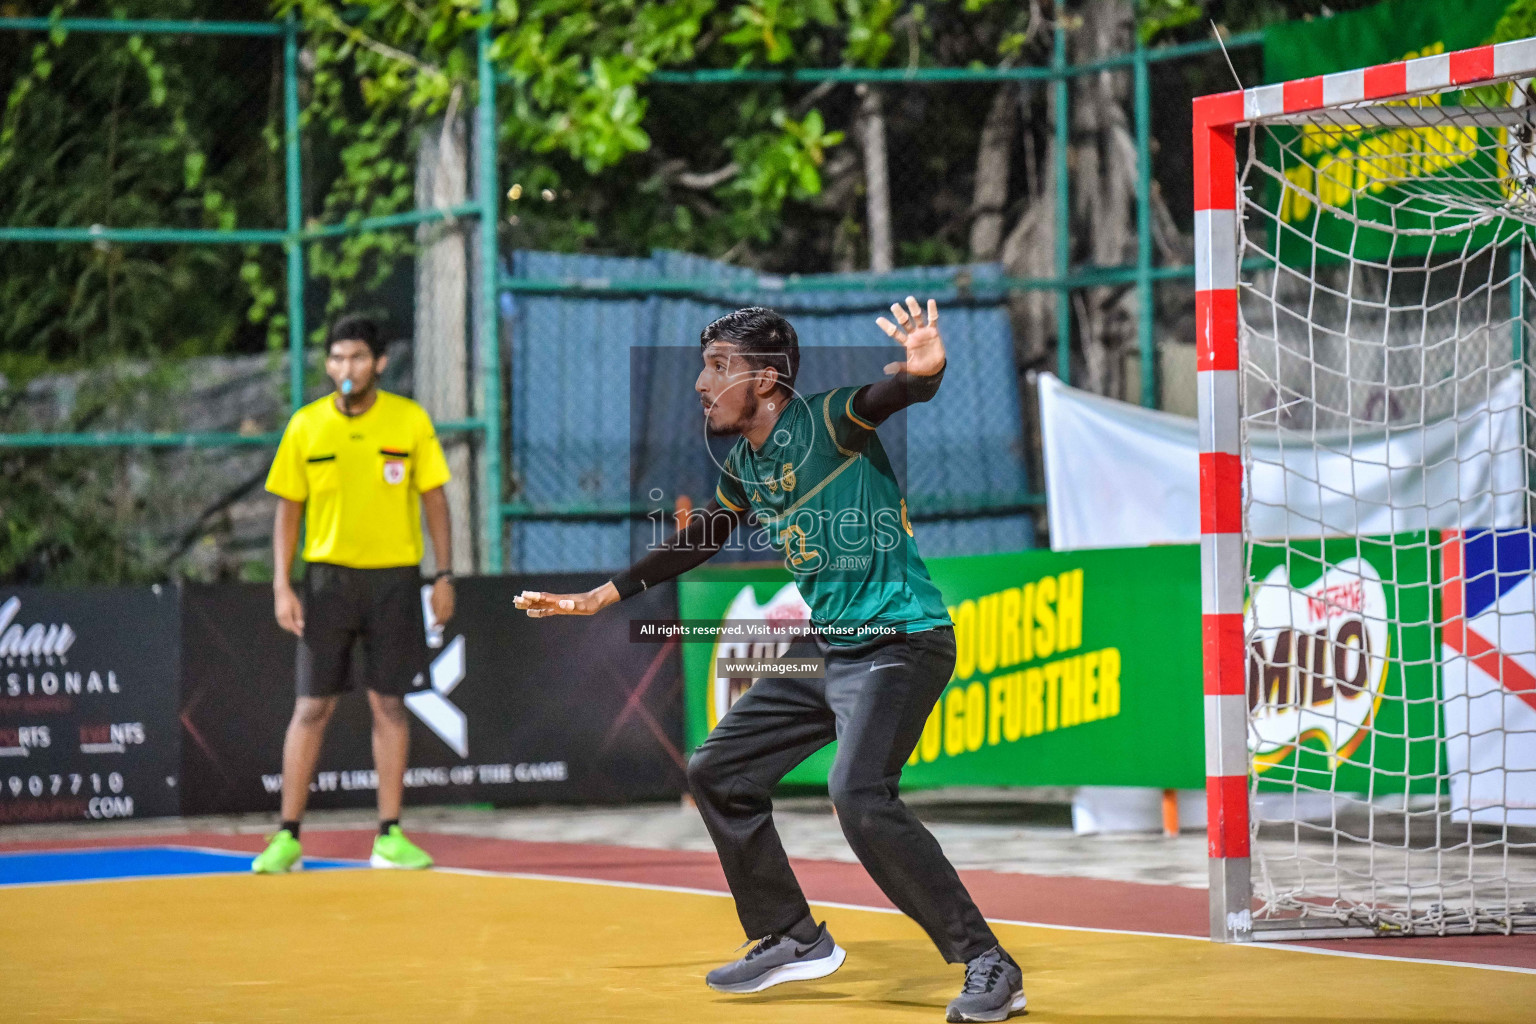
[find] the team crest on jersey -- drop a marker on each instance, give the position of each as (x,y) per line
(394,471)
(789,477)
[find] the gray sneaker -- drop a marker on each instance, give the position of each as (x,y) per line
(775,960)
(994,988)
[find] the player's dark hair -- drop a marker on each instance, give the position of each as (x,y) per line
(764,338)
(356,328)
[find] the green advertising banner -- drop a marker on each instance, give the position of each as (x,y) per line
(1074,668)
(1338,179)
(1341,671)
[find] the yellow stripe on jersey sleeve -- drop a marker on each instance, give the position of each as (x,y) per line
(855,417)
(722,499)
(826,417)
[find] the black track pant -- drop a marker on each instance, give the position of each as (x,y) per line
(874,700)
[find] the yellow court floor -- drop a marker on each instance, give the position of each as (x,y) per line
(444,947)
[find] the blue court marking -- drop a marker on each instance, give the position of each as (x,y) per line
(131,862)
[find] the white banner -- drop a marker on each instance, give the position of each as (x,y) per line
(1118,475)
(1488,671)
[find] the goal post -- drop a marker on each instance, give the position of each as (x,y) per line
(1360,249)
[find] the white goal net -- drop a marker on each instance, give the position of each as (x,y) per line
(1385,314)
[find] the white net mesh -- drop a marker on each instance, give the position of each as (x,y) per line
(1385,423)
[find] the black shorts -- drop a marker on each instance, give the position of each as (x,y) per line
(377,610)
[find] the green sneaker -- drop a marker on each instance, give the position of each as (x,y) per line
(396,851)
(283,854)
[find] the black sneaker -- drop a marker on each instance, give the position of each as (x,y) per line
(775,960)
(994,988)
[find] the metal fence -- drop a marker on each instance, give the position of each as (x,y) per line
(621,437)
(291,238)
(519,508)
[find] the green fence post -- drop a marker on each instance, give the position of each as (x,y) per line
(1144,325)
(490,335)
(292,245)
(1063,209)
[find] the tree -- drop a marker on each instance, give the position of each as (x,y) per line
(120,131)
(633,165)
(124,132)
(777,176)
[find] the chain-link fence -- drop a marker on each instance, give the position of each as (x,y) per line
(620,436)
(153,246)
(160,293)
(119,169)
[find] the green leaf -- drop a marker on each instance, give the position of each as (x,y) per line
(193,166)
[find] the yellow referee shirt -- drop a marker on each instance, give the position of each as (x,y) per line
(362,477)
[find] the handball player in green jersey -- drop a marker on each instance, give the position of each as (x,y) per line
(811,470)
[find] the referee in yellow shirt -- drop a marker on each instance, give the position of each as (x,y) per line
(361,465)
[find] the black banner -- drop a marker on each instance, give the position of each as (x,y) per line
(511,710)
(88,684)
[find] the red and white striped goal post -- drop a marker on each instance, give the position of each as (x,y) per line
(1223,569)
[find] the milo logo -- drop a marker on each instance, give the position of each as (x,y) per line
(1317,661)
(785,608)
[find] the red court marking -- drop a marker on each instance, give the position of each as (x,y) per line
(1070,902)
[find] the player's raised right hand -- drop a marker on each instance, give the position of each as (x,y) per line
(539,604)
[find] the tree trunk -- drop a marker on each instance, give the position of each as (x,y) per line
(841,178)
(1104,191)
(1029,249)
(877,184)
(993,164)
(441,363)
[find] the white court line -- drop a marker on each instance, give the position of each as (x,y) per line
(1400,959)
(1287,947)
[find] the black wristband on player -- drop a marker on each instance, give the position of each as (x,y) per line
(627,584)
(687,549)
(446,574)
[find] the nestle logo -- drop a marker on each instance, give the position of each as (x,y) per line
(1331,601)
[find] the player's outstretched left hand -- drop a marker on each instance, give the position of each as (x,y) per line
(918,333)
(539,604)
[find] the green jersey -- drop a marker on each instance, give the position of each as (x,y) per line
(822,487)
